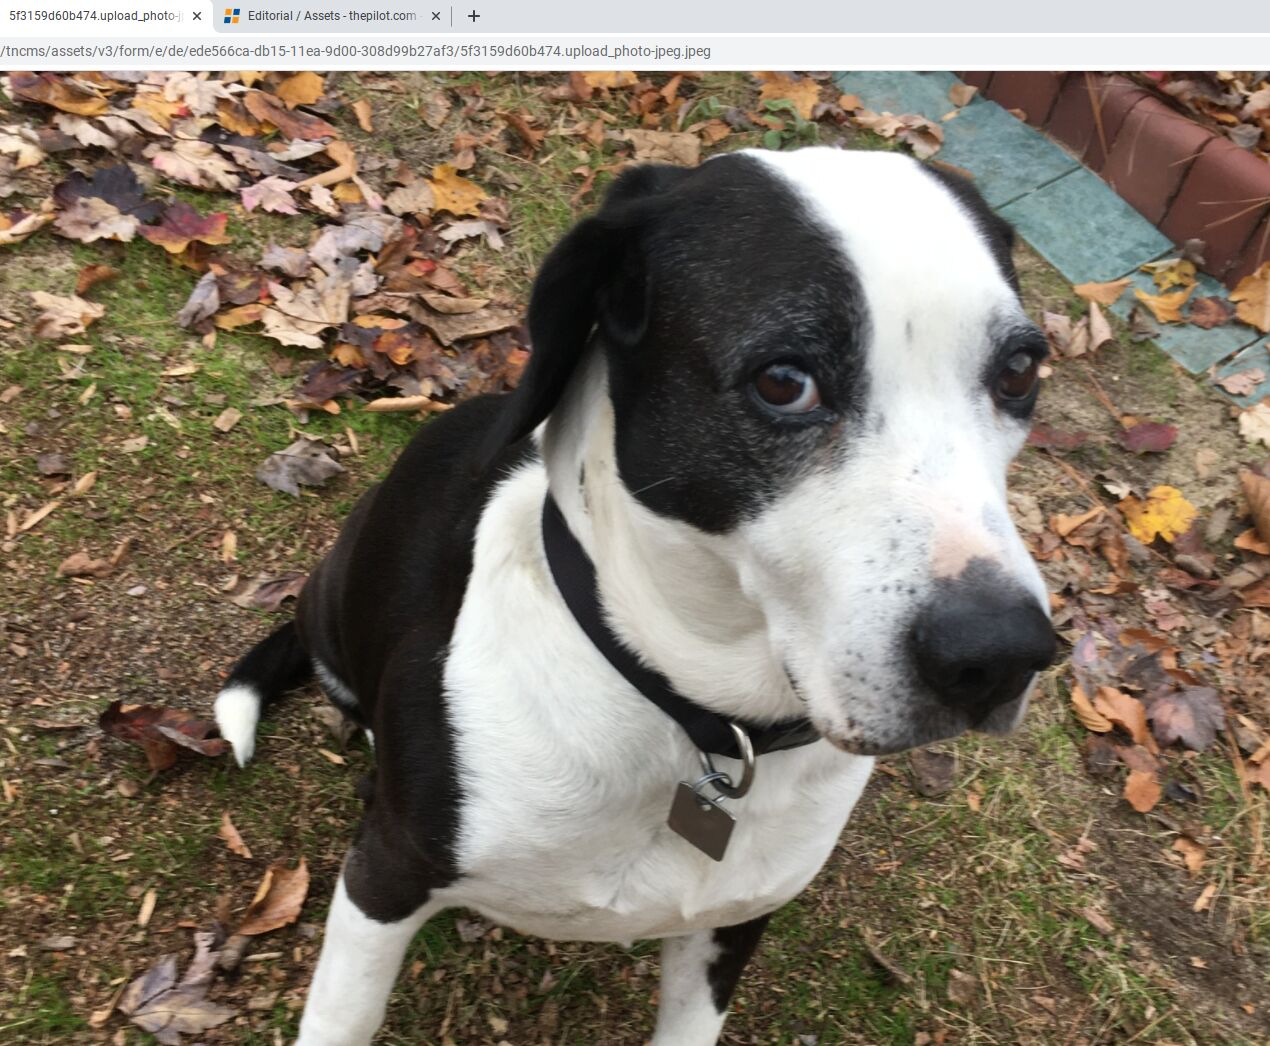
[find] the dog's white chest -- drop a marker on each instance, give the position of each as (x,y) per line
(567,774)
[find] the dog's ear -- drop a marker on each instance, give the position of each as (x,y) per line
(592,279)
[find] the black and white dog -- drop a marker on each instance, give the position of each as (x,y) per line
(742,527)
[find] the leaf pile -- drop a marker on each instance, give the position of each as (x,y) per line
(1235,103)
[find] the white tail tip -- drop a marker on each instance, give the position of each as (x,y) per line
(237,711)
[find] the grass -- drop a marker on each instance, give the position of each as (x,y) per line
(972,883)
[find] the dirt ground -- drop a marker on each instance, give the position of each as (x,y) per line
(1025,902)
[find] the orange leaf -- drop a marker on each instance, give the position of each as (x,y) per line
(301,89)
(1192,853)
(1090,718)
(779,87)
(1103,293)
(1142,789)
(232,839)
(1126,712)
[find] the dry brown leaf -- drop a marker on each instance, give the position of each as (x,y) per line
(278,899)
(232,839)
(1205,898)
(300,89)
(1250,541)
(365,118)
(608,80)
(677,147)
(1242,382)
(1256,490)
(1142,790)
(1192,853)
(63,316)
(1105,294)
(81,564)
(227,419)
(1253,295)
(960,94)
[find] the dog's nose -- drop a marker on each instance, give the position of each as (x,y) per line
(978,647)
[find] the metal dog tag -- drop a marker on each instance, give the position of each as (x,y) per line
(702,821)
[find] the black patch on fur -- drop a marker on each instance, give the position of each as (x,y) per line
(736,944)
(273,666)
(690,281)
(379,612)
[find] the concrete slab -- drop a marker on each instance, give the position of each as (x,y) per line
(1084,229)
(901,92)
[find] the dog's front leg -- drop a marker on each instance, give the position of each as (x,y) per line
(699,972)
(356,971)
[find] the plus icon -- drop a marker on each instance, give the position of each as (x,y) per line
(474,16)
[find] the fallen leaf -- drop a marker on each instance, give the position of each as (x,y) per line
(1210,312)
(361,110)
(1192,715)
(63,316)
(1166,308)
(454,193)
(305,462)
(183,225)
(1250,541)
(16,231)
(91,219)
(1192,853)
(278,899)
(1164,513)
(65,93)
(270,194)
(21,143)
(270,110)
(1049,438)
(1243,382)
(81,564)
(194,163)
(1171,272)
(91,275)
(415,198)
(203,301)
(1253,295)
(1142,790)
(1254,424)
(1147,437)
(1104,294)
(610,80)
(227,419)
(268,593)
(161,732)
(1090,718)
(1099,329)
(148,903)
(963,988)
(1205,898)
(961,94)
(300,89)
(118,185)
(1256,490)
(232,839)
(932,771)
(802,93)
(1126,712)
(156,1003)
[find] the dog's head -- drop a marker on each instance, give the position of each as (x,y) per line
(818,366)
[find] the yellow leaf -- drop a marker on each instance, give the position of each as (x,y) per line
(1103,293)
(1172,272)
(301,89)
(1166,308)
(347,355)
(153,104)
(1253,295)
(778,87)
(365,117)
(454,193)
(1165,513)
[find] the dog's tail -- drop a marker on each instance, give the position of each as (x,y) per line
(276,664)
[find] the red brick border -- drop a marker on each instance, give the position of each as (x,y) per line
(1189,181)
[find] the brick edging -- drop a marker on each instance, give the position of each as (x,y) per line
(1189,181)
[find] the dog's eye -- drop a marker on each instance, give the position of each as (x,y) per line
(1018,377)
(786,389)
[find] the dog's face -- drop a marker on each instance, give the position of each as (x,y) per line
(818,362)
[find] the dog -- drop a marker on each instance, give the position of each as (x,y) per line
(628,638)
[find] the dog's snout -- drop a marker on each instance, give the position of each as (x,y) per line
(977,647)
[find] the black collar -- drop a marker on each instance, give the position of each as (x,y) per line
(574,574)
